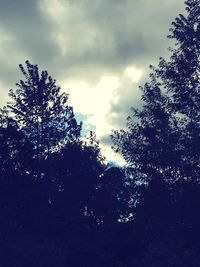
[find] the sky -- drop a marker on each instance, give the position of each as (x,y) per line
(99,51)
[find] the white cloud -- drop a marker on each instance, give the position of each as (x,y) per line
(133,73)
(96,102)
(54,8)
(97,50)
(93,100)
(6,40)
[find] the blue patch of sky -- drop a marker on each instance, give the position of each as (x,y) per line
(86,128)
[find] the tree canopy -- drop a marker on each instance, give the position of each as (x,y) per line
(62,204)
(161,136)
(42,111)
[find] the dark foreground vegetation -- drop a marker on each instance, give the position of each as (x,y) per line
(62,205)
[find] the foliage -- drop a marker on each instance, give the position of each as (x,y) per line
(42,111)
(61,204)
(160,138)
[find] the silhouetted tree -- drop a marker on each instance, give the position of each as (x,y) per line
(74,172)
(161,145)
(161,136)
(42,111)
(112,197)
(35,124)
(16,151)
(61,204)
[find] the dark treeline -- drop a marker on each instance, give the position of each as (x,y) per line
(62,205)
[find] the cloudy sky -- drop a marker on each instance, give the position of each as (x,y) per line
(97,50)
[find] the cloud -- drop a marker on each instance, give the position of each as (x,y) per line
(105,103)
(83,38)
(98,50)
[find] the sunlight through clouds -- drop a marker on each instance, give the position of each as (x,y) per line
(54,8)
(95,101)
(98,51)
(133,73)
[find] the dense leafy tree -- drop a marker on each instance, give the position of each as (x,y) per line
(161,145)
(74,171)
(84,212)
(37,121)
(112,197)
(42,111)
(16,151)
(161,136)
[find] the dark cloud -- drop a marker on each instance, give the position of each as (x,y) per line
(120,32)
(84,40)
(98,36)
(25,34)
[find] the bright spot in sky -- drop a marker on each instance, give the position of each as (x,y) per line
(94,102)
(133,73)
(53,8)
(112,156)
